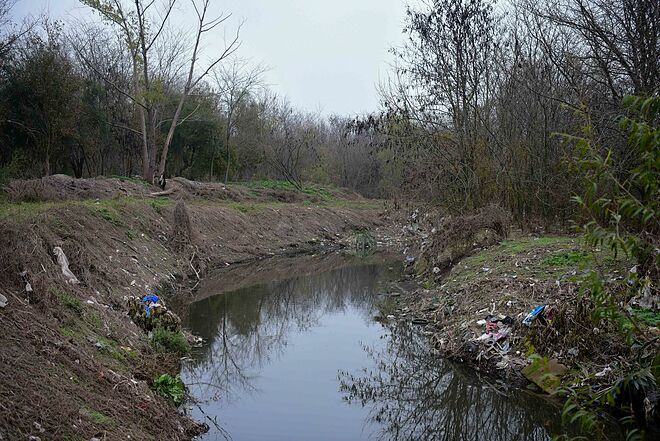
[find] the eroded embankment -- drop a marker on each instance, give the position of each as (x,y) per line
(73,364)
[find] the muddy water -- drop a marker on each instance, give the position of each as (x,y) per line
(300,357)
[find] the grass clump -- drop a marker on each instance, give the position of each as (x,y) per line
(164,340)
(96,416)
(170,387)
(568,258)
(68,331)
(364,242)
(107,214)
(68,300)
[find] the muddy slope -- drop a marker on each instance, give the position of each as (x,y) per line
(73,365)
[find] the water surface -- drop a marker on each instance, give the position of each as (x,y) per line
(300,356)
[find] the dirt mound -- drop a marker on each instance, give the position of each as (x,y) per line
(63,187)
(187,189)
(455,237)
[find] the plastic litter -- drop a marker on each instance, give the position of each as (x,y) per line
(63,262)
(149,303)
(533,315)
(3,301)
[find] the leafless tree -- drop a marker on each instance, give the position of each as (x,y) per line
(235,82)
(142,26)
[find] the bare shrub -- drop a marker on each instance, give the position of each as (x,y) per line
(456,236)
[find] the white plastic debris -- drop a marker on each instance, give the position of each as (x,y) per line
(64,263)
(3,301)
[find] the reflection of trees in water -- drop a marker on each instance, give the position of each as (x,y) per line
(414,395)
(246,328)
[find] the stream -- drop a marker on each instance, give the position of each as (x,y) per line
(295,353)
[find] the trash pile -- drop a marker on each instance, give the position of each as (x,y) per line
(497,341)
(150,313)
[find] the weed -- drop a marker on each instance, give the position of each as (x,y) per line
(647,316)
(158,205)
(312,190)
(164,340)
(364,242)
(170,387)
(95,320)
(68,300)
(568,258)
(242,207)
(131,234)
(68,331)
(96,416)
(107,214)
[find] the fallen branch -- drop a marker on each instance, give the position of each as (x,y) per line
(161,193)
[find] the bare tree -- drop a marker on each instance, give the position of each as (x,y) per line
(235,83)
(142,26)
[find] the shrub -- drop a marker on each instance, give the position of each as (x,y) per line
(170,387)
(169,341)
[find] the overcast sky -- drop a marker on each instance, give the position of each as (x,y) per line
(324,55)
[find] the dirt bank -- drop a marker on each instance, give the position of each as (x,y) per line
(474,294)
(73,364)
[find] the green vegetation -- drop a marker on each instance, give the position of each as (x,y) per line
(170,387)
(96,416)
(68,331)
(310,189)
(578,259)
(168,341)
(107,214)
(363,242)
(623,216)
(68,300)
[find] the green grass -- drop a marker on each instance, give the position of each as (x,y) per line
(168,341)
(107,209)
(68,331)
(68,300)
(96,416)
(542,258)
(569,258)
(310,189)
(646,316)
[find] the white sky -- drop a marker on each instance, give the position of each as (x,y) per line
(326,55)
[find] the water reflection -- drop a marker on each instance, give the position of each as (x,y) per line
(249,327)
(413,395)
(282,359)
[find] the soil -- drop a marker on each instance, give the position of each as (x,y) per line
(73,364)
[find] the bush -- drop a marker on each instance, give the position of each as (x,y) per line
(168,341)
(170,387)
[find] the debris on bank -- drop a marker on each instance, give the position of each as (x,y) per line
(512,304)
